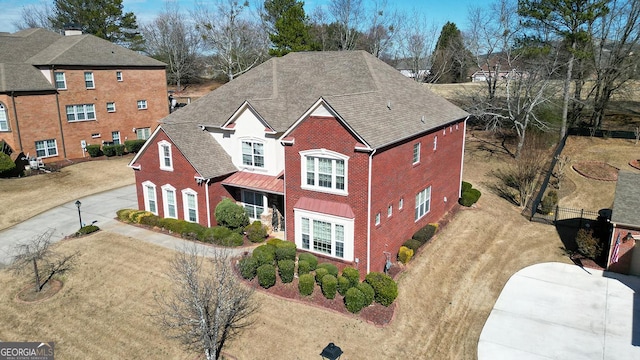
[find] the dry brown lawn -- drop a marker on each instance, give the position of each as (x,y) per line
(26,197)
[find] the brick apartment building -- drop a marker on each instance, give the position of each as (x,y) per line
(338,150)
(59,93)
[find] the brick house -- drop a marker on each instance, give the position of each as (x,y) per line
(625,221)
(58,93)
(337,150)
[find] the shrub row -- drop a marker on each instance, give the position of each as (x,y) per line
(94,150)
(469,195)
(418,239)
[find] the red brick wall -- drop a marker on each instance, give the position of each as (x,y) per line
(625,252)
(38,114)
(395,178)
(327,133)
(182,177)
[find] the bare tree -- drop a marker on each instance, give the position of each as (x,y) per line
(36,254)
(348,15)
(36,16)
(237,41)
(385,25)
(208,305)
(416,46)
(172,39)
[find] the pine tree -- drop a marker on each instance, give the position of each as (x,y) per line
(289,26)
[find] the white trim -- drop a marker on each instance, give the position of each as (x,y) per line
(93,81)
(185,204)
(162,157)
(413,155)
(369,210)
(348,224)
(427,200)
(143,148)
(145,195)
(253,140)
(464,140)
(206,195)
(166,189)
(324,154)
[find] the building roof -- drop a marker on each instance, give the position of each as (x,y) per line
(204,153)
(260,182)
(381,105)
(626,204)
(22,52)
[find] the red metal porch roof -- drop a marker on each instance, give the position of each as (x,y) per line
(325,207)
(259,182)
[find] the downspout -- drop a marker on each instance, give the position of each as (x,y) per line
(464,143)
(369,212)
(206,195)
(64,148)
(15,115)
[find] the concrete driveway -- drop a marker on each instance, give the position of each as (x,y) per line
(561,311)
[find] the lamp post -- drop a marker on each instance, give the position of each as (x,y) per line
(78,203)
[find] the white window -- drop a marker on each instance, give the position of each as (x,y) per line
(164,151)
(111,107)
(88,80)
(401,204)
(252,153)
(4,119)
(423,203)
(378,219)
(190,205)
(95,135)
(61,83)
(115,137)
(169,201)
(142,104)
(81,112)
(149,193)
(390,211)
(143,133)
(416,153)
(46,148)
(253,204)
(324,170)
(324,234)
(435,143)
(119,75)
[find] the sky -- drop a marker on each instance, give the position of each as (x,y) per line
(437,12)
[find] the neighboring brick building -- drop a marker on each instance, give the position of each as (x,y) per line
(336,149)
(59,92)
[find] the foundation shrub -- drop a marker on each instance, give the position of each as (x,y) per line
(256,232)
(303,267)
(331,269)
(266,275)
(352,274)
(133,146)
(386,290)
(354,300)
(150,220)
(113,150)
(425,233)
(343,285)
(466,186)
(329,286)
(123,214)
(265,254)
(286,269)
(248,266)
(286,250)
(320,273)
(94,150)
(231,215)
(310,258)
(369,293)
(405,254)
(274,241)
(412,244)
(221,235)
(306,283)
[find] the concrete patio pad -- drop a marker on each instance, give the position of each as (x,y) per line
(562,311)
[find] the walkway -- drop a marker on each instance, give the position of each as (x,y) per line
(561,311)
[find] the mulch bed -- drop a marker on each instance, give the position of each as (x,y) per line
(635,164)
(597,170)
(29,295)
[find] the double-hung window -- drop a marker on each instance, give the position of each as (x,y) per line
(143,133)
(190,205)
(46,148)
(324,171)
(325,235)
(169,201)
(416,153)
(115,137)
(88,80)
(252,153)
(119,75)
(423,203)
(81,112)
(4,119)
(61,83)
(111,107)
(164,152)
(253,204)
(149,193)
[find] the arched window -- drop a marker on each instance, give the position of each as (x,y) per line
(4,118)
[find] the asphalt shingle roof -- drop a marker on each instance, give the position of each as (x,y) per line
(626,203)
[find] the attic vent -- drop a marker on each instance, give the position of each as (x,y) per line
(422,119)
(389,104)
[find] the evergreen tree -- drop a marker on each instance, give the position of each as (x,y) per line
(289,26)
(450,58)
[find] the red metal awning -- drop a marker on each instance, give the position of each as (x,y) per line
(325,207)
(258,182)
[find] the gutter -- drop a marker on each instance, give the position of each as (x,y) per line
(464,143)
(64,148)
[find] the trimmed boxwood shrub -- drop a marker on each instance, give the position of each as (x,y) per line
(320,273)
(466,186)
(94,150)
(310,258)
(123,214)
(274,241)
(256,232)
(343,285)
(329,285)
(405,254)
(369,293)
(332,269)
(222,236)
(134,216)
(248,267)
(354,300)
(265,254)
(191,230)
(286,250)
(425,233)
(231,215)
(386,290)
(412,244)
(352,274)
(149,220)
(172,225)
(113,150)
(303,267)
(266,275)
(469,195)
(286,269)
(87,230)
(133,146)
(306,282)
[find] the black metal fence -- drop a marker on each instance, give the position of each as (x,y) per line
(562,213)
